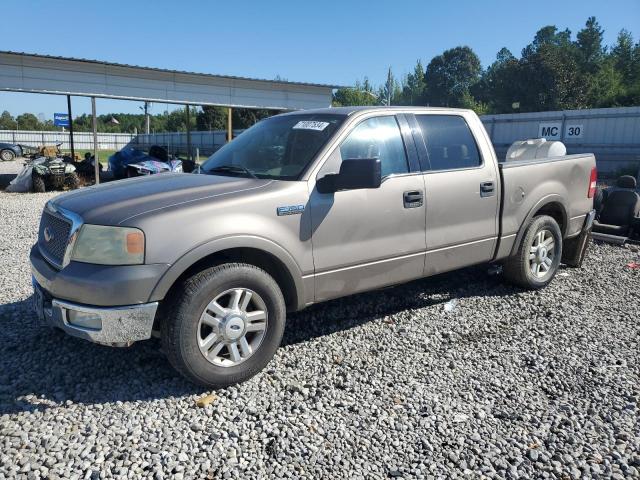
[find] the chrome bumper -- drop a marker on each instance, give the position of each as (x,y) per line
(113,326)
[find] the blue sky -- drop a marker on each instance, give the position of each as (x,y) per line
(333,42)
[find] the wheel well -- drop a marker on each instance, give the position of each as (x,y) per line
(253,256)
(555,211)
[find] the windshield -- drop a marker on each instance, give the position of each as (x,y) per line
(279,147)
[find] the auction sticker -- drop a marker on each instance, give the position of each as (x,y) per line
(310,125)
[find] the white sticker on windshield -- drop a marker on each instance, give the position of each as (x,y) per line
(310,125)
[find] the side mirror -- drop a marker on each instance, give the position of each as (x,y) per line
(355,174)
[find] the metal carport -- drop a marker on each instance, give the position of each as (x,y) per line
(32,73)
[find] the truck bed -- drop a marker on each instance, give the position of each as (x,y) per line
(528,184)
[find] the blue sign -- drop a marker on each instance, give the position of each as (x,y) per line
(61,119)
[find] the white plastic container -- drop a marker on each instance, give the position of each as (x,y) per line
(535,148)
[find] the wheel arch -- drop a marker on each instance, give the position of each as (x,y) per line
(553,206)
(257,251)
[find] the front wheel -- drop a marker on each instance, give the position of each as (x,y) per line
(72,181)
(536,262)
(39,183)
(225,325)
(7,155)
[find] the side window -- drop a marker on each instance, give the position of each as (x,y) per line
(377,137)
(450,143)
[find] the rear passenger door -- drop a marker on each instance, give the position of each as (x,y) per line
(461,192)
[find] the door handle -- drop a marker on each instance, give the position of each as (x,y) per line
(487,189)
(413,199)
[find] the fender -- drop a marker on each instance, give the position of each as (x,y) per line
(214,246)
(544,201)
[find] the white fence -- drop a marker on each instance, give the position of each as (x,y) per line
(176,143)
(205,142)
(81,140)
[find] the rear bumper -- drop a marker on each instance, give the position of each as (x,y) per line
(588,221)
(113,326)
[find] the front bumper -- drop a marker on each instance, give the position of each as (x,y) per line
(100,285)
(114,326)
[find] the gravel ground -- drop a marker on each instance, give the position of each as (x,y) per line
(397,383)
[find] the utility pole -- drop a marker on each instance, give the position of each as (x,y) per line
(95,140)
(189,156)
(73,151)
(389,87)
(146,117)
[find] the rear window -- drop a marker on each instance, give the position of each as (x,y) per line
(450,143)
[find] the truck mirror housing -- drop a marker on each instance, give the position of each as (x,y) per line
(355,174)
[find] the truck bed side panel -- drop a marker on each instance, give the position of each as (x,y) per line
(530,185)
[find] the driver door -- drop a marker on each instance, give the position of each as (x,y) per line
(369,238)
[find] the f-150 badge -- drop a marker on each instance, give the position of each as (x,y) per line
(290,210)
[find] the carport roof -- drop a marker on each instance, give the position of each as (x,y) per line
(166,70)
(35,73)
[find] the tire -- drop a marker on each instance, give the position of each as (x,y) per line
(518,269)
(7,155)
(575,249)
(39,185)
(190,311)
(72,181)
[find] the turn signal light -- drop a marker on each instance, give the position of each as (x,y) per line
(135,242)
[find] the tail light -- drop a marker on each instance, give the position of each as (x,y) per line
(593,180)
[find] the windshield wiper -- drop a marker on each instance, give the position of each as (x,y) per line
(232,169)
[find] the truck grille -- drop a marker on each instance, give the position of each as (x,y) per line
(53,237)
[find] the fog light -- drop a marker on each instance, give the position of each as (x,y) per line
(90,321)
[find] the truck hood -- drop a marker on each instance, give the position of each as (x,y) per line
(113,203)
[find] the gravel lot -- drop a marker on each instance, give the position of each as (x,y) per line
(394,383)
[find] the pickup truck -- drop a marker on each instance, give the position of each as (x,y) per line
(301,208)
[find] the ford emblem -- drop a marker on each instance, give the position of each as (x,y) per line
(48,236)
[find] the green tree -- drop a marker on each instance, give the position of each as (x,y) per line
(177,120)
(626,57)
(211,118)
(589,42)
(450,76)
(390,93)
(28,121)
(499,87)
(7,122)
(413,87)
(605,87)
(360,94)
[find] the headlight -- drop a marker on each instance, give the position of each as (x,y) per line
(109,245)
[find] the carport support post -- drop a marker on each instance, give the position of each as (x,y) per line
(95,140)
(73,152)
(189,156)
(229,124)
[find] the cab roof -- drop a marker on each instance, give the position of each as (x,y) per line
(346,111)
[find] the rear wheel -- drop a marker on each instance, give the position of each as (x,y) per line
(538,257)
(7,155)
(225,325)
(39,184)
